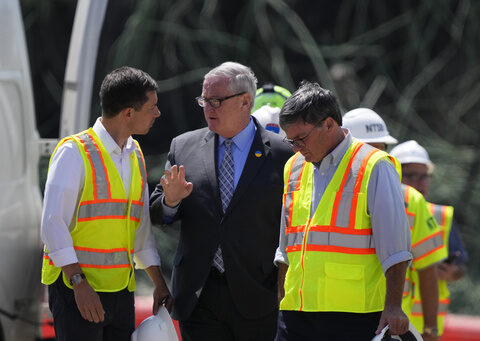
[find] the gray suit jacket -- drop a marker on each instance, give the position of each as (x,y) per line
(248,231)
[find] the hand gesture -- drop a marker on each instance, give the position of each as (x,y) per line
(175,187)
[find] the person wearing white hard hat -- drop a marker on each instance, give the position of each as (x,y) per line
(427,242)
(367,126)
(268,102)
(417,169)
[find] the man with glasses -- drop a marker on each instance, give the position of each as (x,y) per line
(224,183)
(417,169)
(344,240)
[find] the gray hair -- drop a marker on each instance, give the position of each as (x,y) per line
(241,78)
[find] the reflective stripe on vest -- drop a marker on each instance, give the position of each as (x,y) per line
(410,215)
(331,239)
(101,185)
(406,287)
(442,307)
(100,258)
(428,245)
(109,209)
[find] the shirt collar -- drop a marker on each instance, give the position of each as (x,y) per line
(336,155)
(244,138)
(107,140)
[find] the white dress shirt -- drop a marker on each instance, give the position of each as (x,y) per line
(385,205)
(63,191)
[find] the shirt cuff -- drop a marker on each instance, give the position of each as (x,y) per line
(145,258)
(63,257)
(396,258)
(169,212)
(280,257)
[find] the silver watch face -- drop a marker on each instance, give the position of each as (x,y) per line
(76,279)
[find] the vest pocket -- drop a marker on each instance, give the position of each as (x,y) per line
(344,287)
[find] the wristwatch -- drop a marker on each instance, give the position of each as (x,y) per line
(77,279)
(430,331)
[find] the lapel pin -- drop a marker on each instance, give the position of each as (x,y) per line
(258,153)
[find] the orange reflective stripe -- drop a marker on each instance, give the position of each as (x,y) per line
(101,201)
(45,256)
(425,239)
(427,246)
(343,230)
(141,166)
(338,196)
(295,229)
(358,186)
(109,209)
(91,166)
(295,157)
(294,248)
(115,266)
(341,249)
(406,287)
(90,249)
(103,258)
(103,163)
(288,196)
(333,239)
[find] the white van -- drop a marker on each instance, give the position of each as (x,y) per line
(20,198)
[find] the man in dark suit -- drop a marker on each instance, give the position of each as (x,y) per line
(225,184)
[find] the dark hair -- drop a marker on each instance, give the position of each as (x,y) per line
(123,88)
(310,104)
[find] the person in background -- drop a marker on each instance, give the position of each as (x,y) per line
(344,240)
(224,182)
(427,244)
(417,170)
(268,102)
(96,223)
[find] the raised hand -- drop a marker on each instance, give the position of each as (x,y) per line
(175,187)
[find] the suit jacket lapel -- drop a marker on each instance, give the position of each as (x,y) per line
(209,151)
(256,157)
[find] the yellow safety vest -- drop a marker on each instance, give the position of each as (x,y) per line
(103,231)
(333,264)
(427,243)
(444,216)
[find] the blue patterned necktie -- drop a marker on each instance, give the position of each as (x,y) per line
(226,184)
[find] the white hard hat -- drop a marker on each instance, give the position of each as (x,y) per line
(411,335)
(268,117)
(156,328)
(411,152)
(367,126)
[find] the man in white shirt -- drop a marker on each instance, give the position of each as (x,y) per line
(96,221)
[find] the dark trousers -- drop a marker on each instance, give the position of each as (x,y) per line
(215,317)
(328,326)
(69,324)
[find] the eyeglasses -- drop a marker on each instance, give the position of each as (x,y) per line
(416,177)
(215,102)
(299,142)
